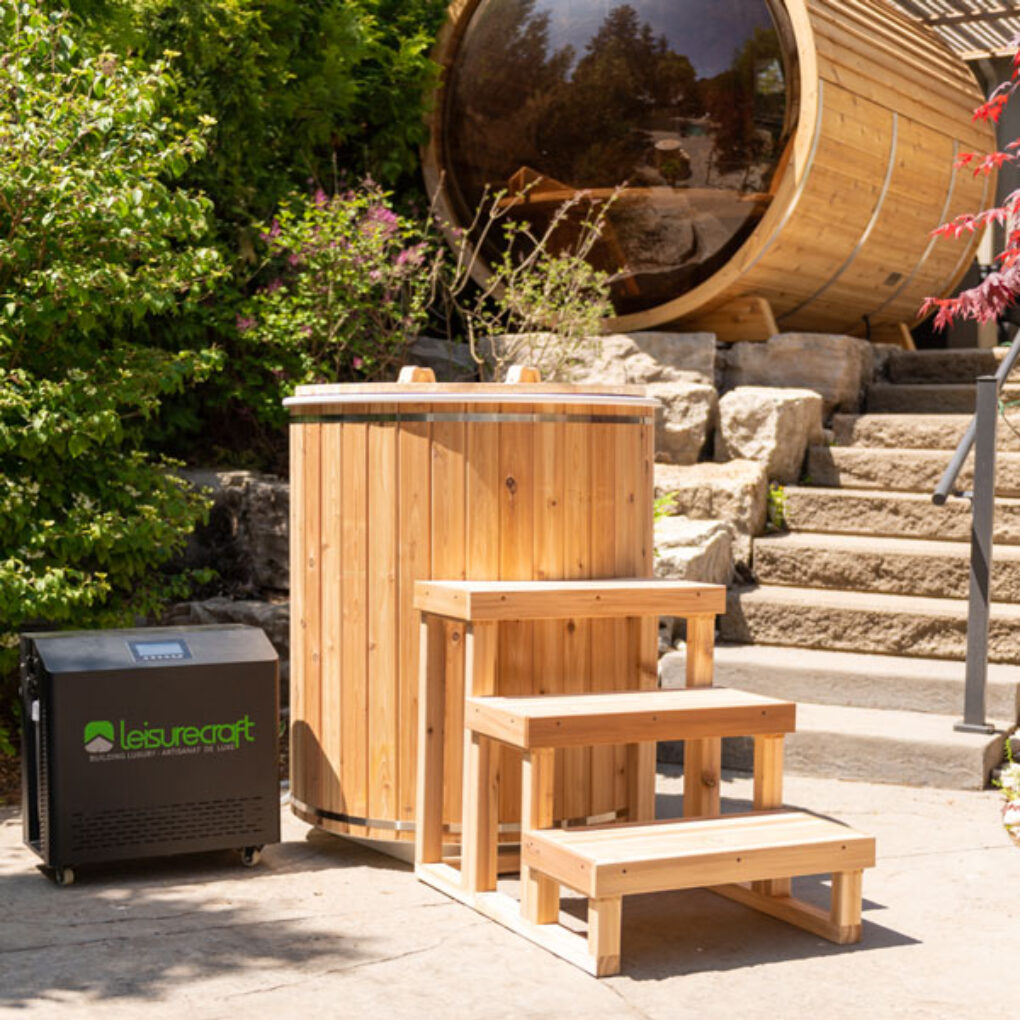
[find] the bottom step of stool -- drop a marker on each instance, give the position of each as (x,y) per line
(692,853)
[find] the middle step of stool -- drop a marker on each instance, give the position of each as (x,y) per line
(623,717)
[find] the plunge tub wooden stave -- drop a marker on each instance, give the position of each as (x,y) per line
(386,492)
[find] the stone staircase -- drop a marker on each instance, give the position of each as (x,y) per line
(859,612)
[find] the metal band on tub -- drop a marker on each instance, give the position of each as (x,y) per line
(512,419)
(401,826)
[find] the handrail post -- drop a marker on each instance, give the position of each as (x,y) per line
(982,523)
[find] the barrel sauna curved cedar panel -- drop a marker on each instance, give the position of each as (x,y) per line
(395,483)
(882,110)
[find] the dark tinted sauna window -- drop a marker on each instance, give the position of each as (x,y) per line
(687,102)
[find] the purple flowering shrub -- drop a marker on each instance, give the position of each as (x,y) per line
(350,284)
(349,287)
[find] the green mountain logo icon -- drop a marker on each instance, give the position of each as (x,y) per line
(98,736)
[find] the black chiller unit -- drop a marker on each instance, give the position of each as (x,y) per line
(147,742)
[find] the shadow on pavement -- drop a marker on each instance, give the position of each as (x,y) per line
(138,929)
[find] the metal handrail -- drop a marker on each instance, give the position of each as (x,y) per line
(981,438)
(943,490)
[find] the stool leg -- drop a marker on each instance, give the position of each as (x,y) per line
(540,895)
(768,793)
(604,919)
(846,905)
(480,799)
(480,833)
(641,782)
(702,758)
(428,842)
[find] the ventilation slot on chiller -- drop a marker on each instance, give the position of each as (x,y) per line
(167,823)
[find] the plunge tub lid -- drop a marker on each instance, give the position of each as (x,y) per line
(468,393)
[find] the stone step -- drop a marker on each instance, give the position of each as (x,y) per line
(955,398)
(894,566)
(850,621)
(949,366)
(904,514)
(933,686)
(875,745)
(901,470)
(916,431)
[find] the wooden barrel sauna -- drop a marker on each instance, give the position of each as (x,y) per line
(395,483)
(782,163)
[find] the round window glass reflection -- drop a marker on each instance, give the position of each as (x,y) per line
(688,104)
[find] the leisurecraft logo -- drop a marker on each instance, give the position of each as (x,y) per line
(102,736)
(99,736)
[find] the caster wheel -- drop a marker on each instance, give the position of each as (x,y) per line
(251,855)
(63,876)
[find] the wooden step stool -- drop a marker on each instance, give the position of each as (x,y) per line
(604,863)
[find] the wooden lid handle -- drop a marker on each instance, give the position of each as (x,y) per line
(415,373)
(523,374)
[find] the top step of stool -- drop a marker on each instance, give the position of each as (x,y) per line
(626,717)
(480,601)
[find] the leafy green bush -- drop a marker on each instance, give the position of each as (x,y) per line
(94,240)
(296,88)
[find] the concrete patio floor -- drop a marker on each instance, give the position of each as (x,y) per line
(326,927)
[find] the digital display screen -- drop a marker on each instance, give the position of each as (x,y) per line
(159,650)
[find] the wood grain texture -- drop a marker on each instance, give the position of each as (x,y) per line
(605,916)
(354,610)
(481,777)
(540,896)
(430,745)
(768,795)
(297,606)
(414,560)
(398,501)
(607,485)
(311,751)
(383,691)
(330,789)
(449,559)
(606,598)
(574,764)
(702,758)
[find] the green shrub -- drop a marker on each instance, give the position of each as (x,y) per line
(776,507)
(95,239)
(296,87)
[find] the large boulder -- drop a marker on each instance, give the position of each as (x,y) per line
(692,550)
(837,367)
(246,540)
(618,359)
(735,492)
(684,422)
(640,359)
(272,617)
(772,426)
(678,369)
